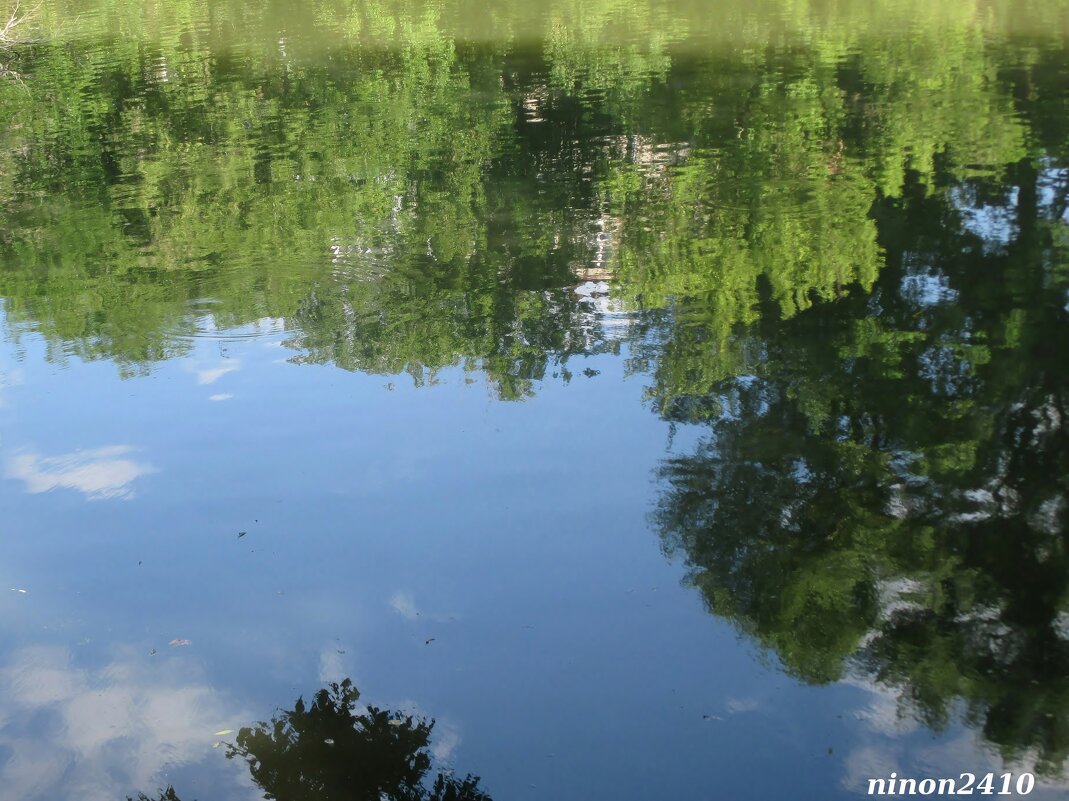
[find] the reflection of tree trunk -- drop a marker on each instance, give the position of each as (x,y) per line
(1026,177)
(1030,442)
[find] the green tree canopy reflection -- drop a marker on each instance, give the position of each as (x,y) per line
(410,186)
(883,488)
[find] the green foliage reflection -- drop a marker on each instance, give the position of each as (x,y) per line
(883,486)
(412,185)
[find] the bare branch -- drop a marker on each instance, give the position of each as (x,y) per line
(15,18)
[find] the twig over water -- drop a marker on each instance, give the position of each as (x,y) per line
(13,21)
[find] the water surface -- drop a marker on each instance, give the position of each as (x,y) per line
(666,398)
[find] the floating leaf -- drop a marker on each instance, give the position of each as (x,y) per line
(396,722)
(224,731)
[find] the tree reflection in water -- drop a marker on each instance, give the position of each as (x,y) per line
(327,750)
(884,492)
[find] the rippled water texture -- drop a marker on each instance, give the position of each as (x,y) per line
(667,399)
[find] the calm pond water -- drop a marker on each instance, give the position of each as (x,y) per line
(666,398)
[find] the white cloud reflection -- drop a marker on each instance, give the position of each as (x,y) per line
(336,663)
(404,604)
(71,732)
(101,473)
(887,740)
(213,374)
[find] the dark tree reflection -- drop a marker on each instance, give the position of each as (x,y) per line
(884,489)
(328,750)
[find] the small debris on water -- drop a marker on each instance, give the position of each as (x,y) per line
(428,642)
(242,534)
(179,641)
(152,652)
(328,741)
(16,589)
